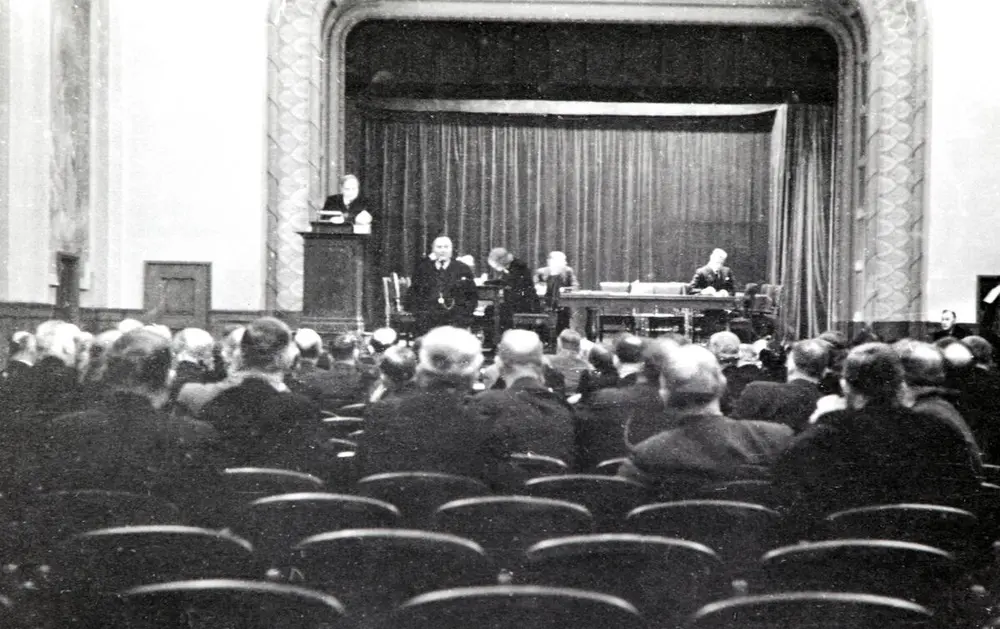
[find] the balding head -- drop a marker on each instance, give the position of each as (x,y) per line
(521,354)
(569,340)
(691,379)
(139,362)
(725,346)
(443,248)
(58,339)
(499,259)
(310,344)
(982,350)
(809,359)
(193,345)
(923,363)
(449,357)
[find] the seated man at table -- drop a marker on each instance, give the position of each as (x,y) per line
(714,279)
(553,277)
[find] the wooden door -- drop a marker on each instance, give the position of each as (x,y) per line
(178,294)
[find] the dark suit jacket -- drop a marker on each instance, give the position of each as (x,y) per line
(455,284)
(527,417)
(519,293)
(122,443)
(553,282)
(335,203)
(15,383)
(707,448)
(436,430)
(51,389)
(603,417)
(342,384)
(873,456)
(957,331)
(705,277)
(789,403)
(261,426)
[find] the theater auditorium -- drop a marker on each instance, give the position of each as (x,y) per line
(515,313)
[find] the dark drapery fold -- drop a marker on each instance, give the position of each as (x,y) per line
(801,243)
(626,199)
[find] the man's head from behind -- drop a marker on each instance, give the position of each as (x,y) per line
(139,362)
(923,363)
(521,354)
(499,259)
(193,345)
(449,357)
(808,359)
(310,345)
(398,365)
(691,379)
(344,348)
(569,341)
(982,350)
(725,346)
(442,248)
(58,339)
(266,346)
(629,349)
(872,376)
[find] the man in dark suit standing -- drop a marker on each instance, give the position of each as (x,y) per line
(346,207)
(793,402)
(442,291)
(519,291)
(714,278)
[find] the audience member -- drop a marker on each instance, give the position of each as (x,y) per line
(628,359)
(701,445)
(260,420)
(55,384)
(978,389)
(397,368)
(612,419)
(435,427)
(526,415)
(604,374)
(830,382)
(567,360)
(192,397)
(725,346)
(15,380)
(790,403)
(982,351)
(923,372)
(347,381)
(127,325)
(193,358)
(874,451)
(125,442)
(93,387)
(381,340)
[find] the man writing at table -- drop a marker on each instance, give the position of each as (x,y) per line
(714,278)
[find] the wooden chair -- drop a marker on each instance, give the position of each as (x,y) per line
(277,523)
(738,531)
(418,494)
(816,610)
(654,323)
(506,526)
(223,603)
(885,567)
(537,464)
(516,607)
(620,323)
(664,578)
(608,498)
(378,569)
(398,318)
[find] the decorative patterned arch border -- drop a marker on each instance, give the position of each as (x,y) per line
(880,160)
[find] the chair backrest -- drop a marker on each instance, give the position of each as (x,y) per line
(537,464)
(388,298)
(884,567)
(342,427)
(948,528)
(373,569)
(224,603)
(37,522)
(264,481)
(664,578)
(642,288)
(418,494)
(614,287)
(817,610)
(506,526)
(608,498)
(97,563)
(738,531)
(277,523)
(516,607)
(609,466)
(400,285)
(670,288)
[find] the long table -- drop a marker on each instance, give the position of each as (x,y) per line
(597,302)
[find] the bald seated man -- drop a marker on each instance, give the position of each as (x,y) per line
(701,445)
(442,290)
(193,359)
(527,415)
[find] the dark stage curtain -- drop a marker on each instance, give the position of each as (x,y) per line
(626,199)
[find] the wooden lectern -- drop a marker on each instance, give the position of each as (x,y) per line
(334,283)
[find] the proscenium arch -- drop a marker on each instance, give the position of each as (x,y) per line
(880,154)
